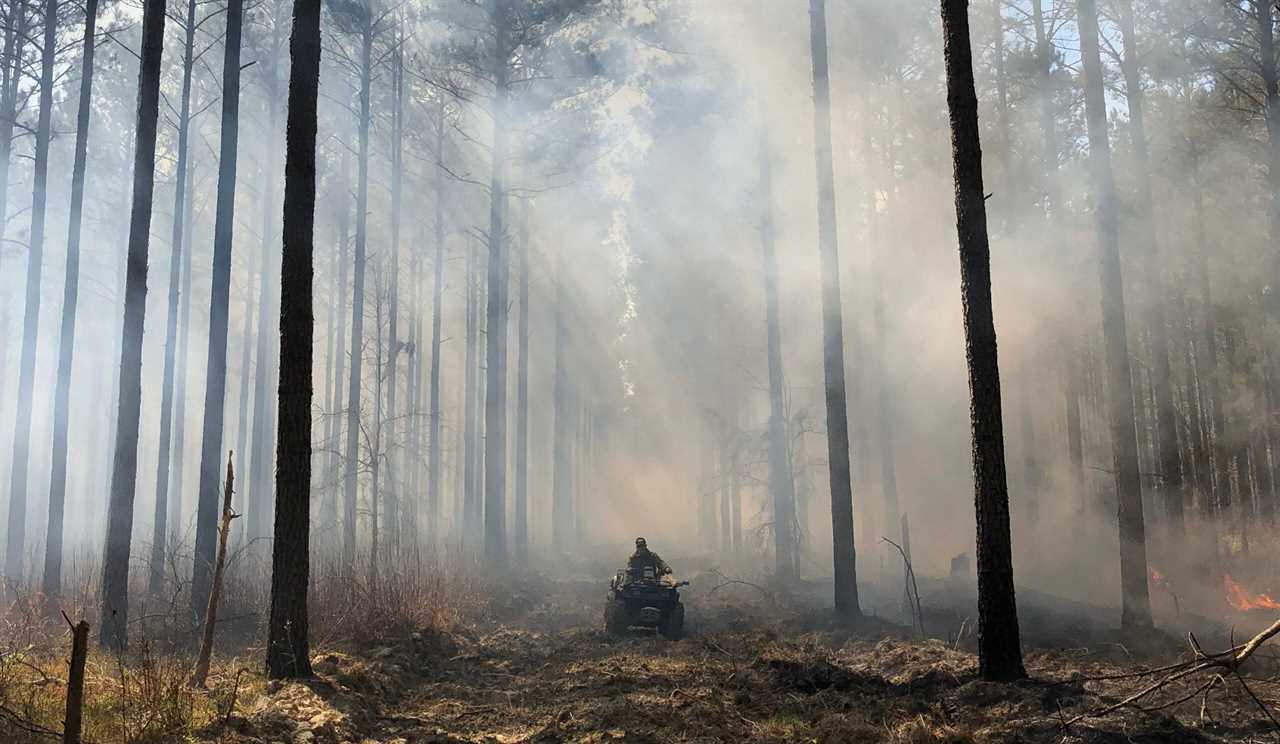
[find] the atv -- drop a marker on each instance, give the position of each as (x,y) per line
(643,599)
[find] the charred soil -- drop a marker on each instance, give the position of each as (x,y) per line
(540,668)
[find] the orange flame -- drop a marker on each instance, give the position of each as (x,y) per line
(1240,598)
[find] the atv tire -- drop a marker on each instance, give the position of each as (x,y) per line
(615,617)
(672,627)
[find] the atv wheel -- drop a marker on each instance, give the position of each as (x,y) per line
(673,627)
(615,617)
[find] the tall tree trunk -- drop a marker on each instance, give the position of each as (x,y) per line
(781,483)
(437,295)
(469,496)
(393,311)
(1135,599)
(1263,13)
(332,333)
(115,564)
(999,649)
(258,496)
(375,438)
(340,360)
(15,45)
(17,534)
(160,527)
(178,480)
(495,401)
(52,583)
(357,311)
(522,397)
(843,555)
(219,306)
(562,411)
(1169,466)
(246,391)
(1071,370)
(288,651)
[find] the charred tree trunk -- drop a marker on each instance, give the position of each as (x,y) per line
(160,525)
(288,651)
(846,581)
(999,649)
(357,309)
(1136,603)
(219,302)
(115,564)
(17,533)
(52,581)
(781,483)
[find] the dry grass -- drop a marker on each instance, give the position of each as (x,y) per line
(142,696)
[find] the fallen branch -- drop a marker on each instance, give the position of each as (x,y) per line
(917,612)
(1217,664)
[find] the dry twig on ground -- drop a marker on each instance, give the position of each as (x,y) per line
(1219,666)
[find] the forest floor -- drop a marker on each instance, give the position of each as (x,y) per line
(536,666)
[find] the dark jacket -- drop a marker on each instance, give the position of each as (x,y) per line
(644,557)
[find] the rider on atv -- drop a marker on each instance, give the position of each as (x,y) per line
(645,595)
(644,558)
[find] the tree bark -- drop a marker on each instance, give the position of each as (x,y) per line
(219,302)
(288,653)
(71,725)
(115,564)
(999,649)
(1135,598)
(843,555)
(17,532)
(52,581)
(160,526)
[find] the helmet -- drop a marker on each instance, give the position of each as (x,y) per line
(640,543)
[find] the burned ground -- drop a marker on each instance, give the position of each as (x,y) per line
(538,668)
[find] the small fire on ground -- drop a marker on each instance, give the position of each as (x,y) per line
(1239,597)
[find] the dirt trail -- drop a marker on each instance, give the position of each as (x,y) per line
(542,670)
